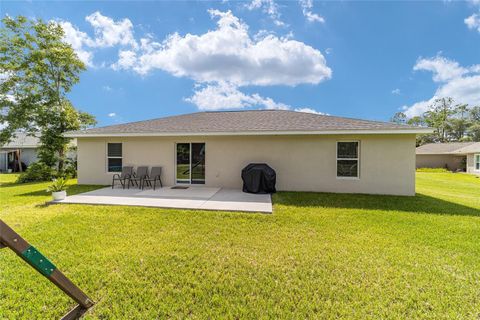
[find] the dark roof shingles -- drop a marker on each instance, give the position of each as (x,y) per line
(442,148)
(245,121)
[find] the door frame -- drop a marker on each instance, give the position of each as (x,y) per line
(189,183)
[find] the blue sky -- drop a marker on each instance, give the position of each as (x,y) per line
(348,58)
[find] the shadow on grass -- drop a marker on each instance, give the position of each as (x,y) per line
(420,203)
(71,190)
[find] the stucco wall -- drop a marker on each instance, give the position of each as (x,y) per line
(452,162)
(471,165)
(302,163)
(29,156)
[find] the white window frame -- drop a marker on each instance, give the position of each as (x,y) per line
(476,159)
(357,159)
(108,157)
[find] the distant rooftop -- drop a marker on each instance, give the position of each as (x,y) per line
(22,140)
(248,122)
(449,148)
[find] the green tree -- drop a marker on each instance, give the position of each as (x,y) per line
(37,69)
(399,118)
(459,123)
(419,121)
(473,130)
(416,121)
(438,117)
(451,123)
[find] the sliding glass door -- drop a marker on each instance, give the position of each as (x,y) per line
(190,164)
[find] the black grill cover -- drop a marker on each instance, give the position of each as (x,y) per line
(258,178)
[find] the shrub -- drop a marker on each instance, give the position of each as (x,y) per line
(59,184)
(37,172)
(433,170)
(70,170)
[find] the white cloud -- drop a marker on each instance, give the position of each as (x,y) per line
(107,88)
(229,54)
(109,33)
(78,40)
(396,91)
(473,22)
(112,114)
(460,83)
(227,96)
(126,60)
(465,89)
(220,61)
(309,110)
(307,6)
(418,108)
(443,69)
(270,7)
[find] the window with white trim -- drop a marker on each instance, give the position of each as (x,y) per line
(476,162)
(114,157)
(348,159)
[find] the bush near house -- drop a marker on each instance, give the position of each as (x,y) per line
(37,172)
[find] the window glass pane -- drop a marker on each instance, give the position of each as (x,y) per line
(183,162)
(347,150)
(477,162)
(114,149)
(198,163)
(347,168)
(114,165)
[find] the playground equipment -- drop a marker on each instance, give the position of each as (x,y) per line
(10,239)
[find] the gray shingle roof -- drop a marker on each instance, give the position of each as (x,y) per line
(472,148)
(22,140)
(443,148)
(254,121)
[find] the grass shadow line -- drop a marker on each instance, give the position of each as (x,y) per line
(420,203)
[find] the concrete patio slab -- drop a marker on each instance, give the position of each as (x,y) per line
(194,197)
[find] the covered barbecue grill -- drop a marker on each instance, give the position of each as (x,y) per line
(259,178)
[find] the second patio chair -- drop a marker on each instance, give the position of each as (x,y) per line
(137,178)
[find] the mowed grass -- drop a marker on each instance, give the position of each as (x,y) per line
(317,256)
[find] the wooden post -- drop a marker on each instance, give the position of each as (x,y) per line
(20,169)
(10,239)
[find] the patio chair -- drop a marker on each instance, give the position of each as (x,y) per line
(137,178)
(123,177)
(155,174)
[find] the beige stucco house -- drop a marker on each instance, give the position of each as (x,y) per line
(454,156)
(309,152)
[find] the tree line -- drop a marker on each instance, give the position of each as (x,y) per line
(451,121)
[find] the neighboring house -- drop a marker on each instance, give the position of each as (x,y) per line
(25,148)
(22,147)
(454,156)
(309,152)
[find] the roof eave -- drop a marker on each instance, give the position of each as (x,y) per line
(19,147)
(247,133)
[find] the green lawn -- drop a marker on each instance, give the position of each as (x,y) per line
(317,256)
